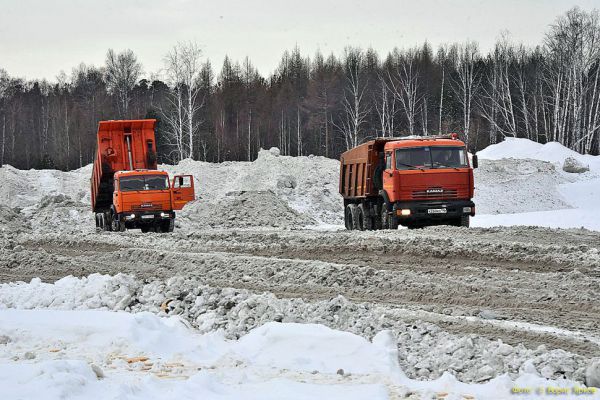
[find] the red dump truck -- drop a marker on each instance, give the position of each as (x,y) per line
(128,192)
(413,181)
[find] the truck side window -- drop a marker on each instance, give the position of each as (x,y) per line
(388,160)
(183,182)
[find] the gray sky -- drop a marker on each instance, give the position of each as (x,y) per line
(39,38)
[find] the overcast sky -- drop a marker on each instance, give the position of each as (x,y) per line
(39,38)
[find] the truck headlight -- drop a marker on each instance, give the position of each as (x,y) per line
(164,215)
(128,217)
(404,212)
(467,210)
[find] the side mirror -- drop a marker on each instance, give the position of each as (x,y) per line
(475,161)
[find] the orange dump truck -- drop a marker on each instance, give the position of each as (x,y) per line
(128,192)
(413,181)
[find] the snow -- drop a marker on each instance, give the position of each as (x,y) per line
(519,182)
(549,197)
(552,152)
(54,354)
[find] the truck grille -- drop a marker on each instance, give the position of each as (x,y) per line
(140,207)
(424,194)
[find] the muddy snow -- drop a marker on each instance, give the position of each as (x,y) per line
(262,244)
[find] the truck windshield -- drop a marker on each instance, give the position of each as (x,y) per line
(431,157)
(144,182)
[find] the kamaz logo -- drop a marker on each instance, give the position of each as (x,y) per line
(435,190)
(146,205)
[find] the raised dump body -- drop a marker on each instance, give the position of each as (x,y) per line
(127,190)
(413,181)
(121,146)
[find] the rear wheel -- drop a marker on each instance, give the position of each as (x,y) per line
(367,220)
(357,218)
(348,217)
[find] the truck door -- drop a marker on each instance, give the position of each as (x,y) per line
(183,190)
(388,174)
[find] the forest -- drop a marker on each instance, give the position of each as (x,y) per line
(316,104)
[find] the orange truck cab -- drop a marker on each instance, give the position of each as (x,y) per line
(128,192)
(413,181)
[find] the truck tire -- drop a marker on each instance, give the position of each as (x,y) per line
(348,217)
(357,218)
(383,217)
(366,219)
(393,221)
(376,217)
(465,221)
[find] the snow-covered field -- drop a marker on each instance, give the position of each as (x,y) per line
(249,305)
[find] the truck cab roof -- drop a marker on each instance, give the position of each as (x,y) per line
(422,141)
(140,172)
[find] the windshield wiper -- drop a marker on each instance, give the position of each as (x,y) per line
(411,166)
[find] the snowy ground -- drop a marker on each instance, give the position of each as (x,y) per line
(54,354)
(213,310)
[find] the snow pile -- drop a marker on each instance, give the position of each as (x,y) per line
(549,197)
(572,165)
(23,188)
(423,350)
(517,186)
(243,209)
(552,152)
(308,184)
(111,355)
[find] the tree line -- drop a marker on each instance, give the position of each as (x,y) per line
(320,105)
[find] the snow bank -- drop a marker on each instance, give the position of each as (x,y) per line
(311,347)
(521,182)
(64,354)
(110,355)
(243,209)
(552,152)
(308,184)
(422,349)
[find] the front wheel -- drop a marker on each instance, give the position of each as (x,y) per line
(384,217)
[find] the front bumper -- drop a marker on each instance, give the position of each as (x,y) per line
(420,210)
(149,217)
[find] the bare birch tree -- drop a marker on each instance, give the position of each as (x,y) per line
(354,105)
(122,73)
(465,82)
(405,84)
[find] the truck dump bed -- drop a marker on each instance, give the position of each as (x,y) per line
(122,146)
(357,168)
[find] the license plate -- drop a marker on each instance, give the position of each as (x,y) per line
(437,211)
(147,216)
